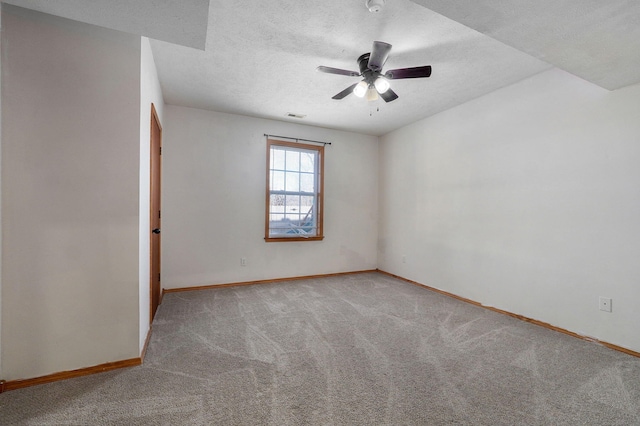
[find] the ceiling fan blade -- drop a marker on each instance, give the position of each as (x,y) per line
(389,95)
(414,72)
(345,92)
(330,70)
(379,55)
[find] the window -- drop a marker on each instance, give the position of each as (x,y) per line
(294,191)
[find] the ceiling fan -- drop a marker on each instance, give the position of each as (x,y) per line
(374,82)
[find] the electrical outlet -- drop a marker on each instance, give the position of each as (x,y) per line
(404,259)
(243,261)
(605,304)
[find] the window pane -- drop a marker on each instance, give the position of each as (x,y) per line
(276,220)
(293,181)
(277,181)
(277,156)
(306,202)
(306,182)
(306,210)
(292,203)
(293,161)
(278,226)
(307,162)
(277,203)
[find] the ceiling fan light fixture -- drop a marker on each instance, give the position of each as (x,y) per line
(382,85)
(375,82)
(360,89)
(372,94)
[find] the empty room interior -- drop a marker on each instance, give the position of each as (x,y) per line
(457,163)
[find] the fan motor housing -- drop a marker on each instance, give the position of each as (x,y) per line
(368,74)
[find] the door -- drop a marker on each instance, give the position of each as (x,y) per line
(155,222)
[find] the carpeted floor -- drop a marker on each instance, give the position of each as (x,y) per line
(362,349)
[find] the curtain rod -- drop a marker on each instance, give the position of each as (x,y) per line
(298,139)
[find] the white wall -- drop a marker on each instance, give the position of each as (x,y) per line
(526,199)
(214,201)
(150,92)
(70,194)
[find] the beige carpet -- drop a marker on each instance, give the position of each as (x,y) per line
(361,349)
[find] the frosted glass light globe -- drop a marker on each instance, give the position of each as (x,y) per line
(382,85)
(372,95)
(360,89)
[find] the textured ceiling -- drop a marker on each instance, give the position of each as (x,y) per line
(258,58)
(182,22)
(598,40)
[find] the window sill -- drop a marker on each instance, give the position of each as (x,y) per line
(286,239)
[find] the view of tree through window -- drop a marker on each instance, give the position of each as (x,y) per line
(294,183)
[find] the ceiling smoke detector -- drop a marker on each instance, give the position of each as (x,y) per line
(374,6)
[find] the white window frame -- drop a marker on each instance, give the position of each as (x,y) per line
(296,233)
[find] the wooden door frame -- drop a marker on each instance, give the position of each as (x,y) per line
(152,213)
